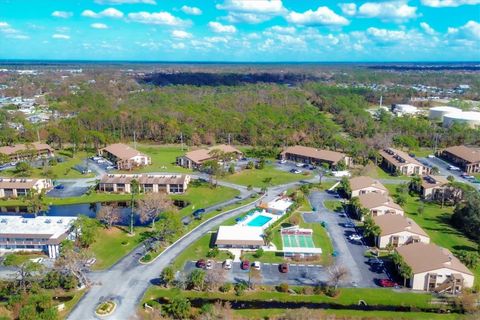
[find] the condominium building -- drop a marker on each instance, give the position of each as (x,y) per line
(398,161)
(315,156)
(124,156)
(22,187)
(194,159)
(121,183)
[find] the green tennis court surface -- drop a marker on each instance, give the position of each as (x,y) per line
(299,241)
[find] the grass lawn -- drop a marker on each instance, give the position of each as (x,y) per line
(436,222)
(334,205)
(62,170)
(114,243)
(378,173)
(163,158)
(256,177)
(69,305)
(16,259)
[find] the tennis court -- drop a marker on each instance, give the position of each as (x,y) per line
(297,241)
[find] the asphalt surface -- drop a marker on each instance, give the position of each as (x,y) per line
(442,166)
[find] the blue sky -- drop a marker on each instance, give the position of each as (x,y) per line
(241,30)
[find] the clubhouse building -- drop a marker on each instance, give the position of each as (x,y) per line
(124,156)
(121,183)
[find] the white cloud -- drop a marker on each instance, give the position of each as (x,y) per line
(396,10)
(179,45)
(448,3)
(284,30)
(253,6)
(221,28)
(4,24)
(116,2)
(62,14)
(10,32)
(323,16)
(159,18)
(180,34)
(194,11)
(99,26)
(252,18)
(107,13)
(61,36)
(469,31)
(348,8)
(384,35)
(427,29)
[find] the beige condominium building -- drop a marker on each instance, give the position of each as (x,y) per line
(315,156)
(194,159)
(22,187)
(433,187)
(124,156)
(435,268)
(398,231)
(468,159)
(379,204)
(398,161)
(364,185)
(23,151)
(121,183)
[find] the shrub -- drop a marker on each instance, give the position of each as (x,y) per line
(282,287)
(240,288)
(258,253)
(330,291)
(317,289)
(230,255)
(226,287)
(147,257)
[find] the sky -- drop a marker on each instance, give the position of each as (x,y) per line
(241,30)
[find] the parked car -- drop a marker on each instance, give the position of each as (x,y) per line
(349,225)
(209,265)
(200,263)
(227,264)
(296,171)
(90,262)
(355,237)
(256,265)
(431,156)
(374,261)
(245,265)
(197,213)
(283,161)
(59,187)
(453,168)
(300,165)
(387,283)
(283,267)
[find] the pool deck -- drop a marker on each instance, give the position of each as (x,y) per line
(273,217)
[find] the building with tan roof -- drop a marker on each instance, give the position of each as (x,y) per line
(468,159)
(363,185)
(121,183)
(398,231)
(124,156)
(398,161)
(194,159)
(315,156)
(22,187)
(435,269)
(22,151)
(241,237)
(434,187)
(379,204)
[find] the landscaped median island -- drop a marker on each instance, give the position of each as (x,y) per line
(105,308)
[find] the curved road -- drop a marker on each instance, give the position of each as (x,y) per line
(127,281)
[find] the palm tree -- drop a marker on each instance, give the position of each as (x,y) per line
(134,190)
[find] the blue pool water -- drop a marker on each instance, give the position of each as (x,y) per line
(258,221)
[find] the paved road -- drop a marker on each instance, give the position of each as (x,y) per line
(350,253)
(298,274)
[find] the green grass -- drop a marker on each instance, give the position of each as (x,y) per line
(18,258)
(333,205)
(163,158)
(108,247)
(62,170)
(256,177)
(435,220)
(379,173)
(86,198)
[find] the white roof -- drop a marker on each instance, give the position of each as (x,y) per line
(446,109)
(470,115)
(281,204)
(239,233)
(41,225)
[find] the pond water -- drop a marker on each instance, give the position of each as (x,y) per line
(87,209)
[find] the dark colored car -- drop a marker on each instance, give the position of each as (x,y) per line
(59,187)
(201,263)
(283,267)
(375,261)
(387,283)
(198,212)
(245,265)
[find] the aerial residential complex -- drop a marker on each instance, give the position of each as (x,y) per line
(398,230)
(194,159)
(315,156)
(121,183)
(22,187)
(42,234)
(124,156)
(398,161)
(435,269)
(468,159)
(19,152)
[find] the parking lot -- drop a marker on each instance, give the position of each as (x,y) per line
(444,171)
(298,274)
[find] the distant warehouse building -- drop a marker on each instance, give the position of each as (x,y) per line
(19,152)
(315,156)
(22,187)
(124,156)
(398,161)
(121,183)
(468,159)
(40,234)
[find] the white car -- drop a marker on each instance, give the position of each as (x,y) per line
(453,168)
(355,237)
(100,161)
(209,265)
(256,265)
(227,264)
(431,156)
(300,165)
(283,161)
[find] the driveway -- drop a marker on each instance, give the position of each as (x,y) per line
(350,253)
(298,274)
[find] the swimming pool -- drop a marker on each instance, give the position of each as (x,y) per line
(259,221)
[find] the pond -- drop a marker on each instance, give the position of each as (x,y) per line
(87,209)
